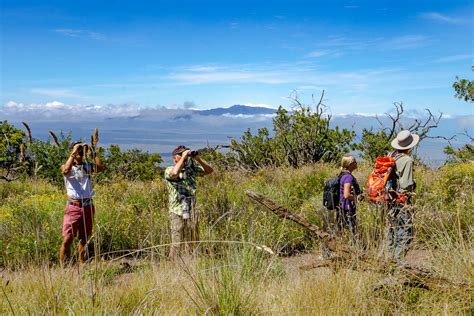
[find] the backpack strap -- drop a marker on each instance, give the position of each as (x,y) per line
(396,155)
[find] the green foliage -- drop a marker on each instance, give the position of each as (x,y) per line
(11,139)
(29,234)
(48,157)
(463,154)
(212,155)
(132,215)
(304,136)
(301,137)
(44,158)
(456,182)
(128,216)
(132,164)
(233,275)
(464,89)
(374,144)
(378,143)
(254,151)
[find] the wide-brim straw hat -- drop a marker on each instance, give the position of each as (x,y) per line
(405,140)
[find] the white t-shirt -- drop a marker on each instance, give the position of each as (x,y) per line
(79,182)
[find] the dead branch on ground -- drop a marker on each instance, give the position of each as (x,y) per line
(341,256)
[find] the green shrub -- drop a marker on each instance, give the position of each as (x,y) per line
(302,136)
(132,164)
(133,215)
(456,182)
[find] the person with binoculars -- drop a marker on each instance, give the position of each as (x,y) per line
(79,211)
(181,182)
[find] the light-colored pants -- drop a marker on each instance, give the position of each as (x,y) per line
(182,231)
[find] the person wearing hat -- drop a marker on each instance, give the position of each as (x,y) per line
(400,233)
(79,211)
(181,183)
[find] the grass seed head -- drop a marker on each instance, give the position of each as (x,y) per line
(22,152)
(28,132)
(55,138)
(95,137)
(86,152)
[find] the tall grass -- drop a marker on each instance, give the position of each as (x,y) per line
(229,277)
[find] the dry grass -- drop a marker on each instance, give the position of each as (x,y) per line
(230,278)
(244,281)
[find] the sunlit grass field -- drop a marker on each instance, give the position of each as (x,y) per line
(128,271)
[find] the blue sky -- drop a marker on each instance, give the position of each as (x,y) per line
(204,54)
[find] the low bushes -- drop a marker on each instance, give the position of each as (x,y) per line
(133,215)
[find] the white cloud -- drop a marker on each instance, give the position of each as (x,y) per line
(406,42)
(80,33)
(451,58)
(202,68)
(54,104)
(438,17)
(467,122)
(266,77)
(233,25)
(57,111)
(358,114)
(56,93)
(349,43)
(259,105)
(310,87)
(317,53)
(333,45)
(302,75)
(258,117)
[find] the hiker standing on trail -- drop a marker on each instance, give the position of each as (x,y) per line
(181,182)
(400,233)
(79,211)
(349,189)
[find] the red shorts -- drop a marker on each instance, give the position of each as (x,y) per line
(78,221)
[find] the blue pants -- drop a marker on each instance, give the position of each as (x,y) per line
(400,232)
(346,219)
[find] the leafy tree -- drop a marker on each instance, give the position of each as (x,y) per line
(376,143)
(302,136)
(132,164)
(464,89)
(48,156)
(12,151)
(254,151)
(463,154)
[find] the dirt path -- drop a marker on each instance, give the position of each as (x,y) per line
(415,257)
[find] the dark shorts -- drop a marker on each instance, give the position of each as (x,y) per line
(78,221)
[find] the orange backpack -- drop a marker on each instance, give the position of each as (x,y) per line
(377,183)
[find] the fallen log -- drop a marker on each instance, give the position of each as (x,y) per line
(331,246)
(341,256)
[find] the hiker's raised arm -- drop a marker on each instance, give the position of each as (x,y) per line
(66,167)
(207,168)
(174,173)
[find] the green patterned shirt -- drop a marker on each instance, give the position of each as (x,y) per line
(183,189)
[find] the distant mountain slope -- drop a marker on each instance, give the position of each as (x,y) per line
(236,110)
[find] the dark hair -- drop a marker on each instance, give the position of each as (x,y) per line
(179,150)
(73,144)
